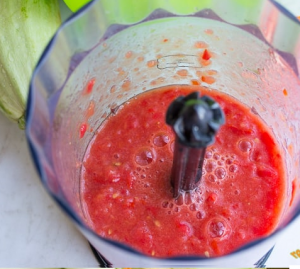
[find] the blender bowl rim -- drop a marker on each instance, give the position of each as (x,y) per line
(36,155)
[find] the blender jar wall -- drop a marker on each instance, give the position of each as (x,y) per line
(121,61)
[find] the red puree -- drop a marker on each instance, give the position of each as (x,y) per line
(126,180)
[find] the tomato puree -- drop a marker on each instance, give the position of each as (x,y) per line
(126,190)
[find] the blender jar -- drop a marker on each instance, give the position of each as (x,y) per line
(113,50)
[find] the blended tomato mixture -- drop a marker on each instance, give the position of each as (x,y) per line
(126,189)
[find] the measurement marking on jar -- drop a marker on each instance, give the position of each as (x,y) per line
(180,60)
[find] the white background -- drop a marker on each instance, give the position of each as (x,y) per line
(35,233)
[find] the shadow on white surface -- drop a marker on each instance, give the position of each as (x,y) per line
(34,232)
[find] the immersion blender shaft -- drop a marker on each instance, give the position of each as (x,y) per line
(195,121)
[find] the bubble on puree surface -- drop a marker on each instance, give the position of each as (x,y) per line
(126,186)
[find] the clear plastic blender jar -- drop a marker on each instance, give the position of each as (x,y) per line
(113,50)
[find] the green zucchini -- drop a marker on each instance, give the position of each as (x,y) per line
(26,27)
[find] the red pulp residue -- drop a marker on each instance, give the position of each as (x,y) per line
(82,130)
(89,87)
(206,55)
(294,190)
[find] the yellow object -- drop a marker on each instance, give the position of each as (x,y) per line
(75,5)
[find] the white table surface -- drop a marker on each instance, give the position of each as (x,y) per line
(34,232)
